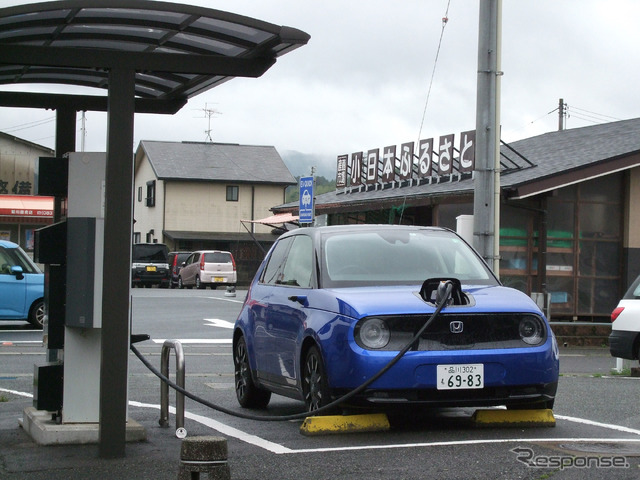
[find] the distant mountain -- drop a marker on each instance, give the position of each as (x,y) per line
(299,164)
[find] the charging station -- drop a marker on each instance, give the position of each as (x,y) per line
(83,316)
(67,392)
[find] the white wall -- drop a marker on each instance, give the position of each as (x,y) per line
(203,207)
(147,218)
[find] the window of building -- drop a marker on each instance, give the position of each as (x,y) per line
(232,193)
(584,247)
(139,194)
(448,213)
(151,194)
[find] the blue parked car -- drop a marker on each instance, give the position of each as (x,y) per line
(21,286)
(330,307)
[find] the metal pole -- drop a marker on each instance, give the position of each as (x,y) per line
(496,152)
(118,221)
(486,185)
(164,388)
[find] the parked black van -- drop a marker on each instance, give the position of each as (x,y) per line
(150,265)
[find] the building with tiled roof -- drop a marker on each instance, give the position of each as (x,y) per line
(193,195)
(580,186)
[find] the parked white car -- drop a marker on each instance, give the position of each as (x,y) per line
(208,268)
(624,341)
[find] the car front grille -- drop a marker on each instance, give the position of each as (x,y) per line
(460,331)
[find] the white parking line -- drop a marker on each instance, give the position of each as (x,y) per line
(196,340)
(225,430)
(226,299)
(14,392)
(281,449)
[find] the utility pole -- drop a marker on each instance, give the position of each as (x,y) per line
(562,114)
(83,129)
(486,199)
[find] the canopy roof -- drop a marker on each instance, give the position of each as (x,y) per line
(276,219)
(178,51)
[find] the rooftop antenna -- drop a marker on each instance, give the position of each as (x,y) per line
(209,112)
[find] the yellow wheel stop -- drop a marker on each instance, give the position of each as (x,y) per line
(514,418)
(332,424)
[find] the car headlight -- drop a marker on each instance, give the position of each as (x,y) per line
(374,333)
(531,330)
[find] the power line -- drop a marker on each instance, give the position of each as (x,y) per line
(445,20)
(535,120)
(591,116)
(25,126)
(586,118)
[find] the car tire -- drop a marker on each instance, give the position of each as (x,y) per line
(180,284)
(199,284)
(247,393)
(315,384)
(36,314)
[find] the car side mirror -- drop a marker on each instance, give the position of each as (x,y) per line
(17,271)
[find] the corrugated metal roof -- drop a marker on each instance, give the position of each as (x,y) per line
(195,161)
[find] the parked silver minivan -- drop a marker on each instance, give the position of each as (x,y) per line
(208,268)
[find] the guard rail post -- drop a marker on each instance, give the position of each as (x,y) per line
(168,345)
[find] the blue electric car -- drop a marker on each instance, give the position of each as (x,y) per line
(330,307)
(21,286)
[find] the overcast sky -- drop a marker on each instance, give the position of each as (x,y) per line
(363,79)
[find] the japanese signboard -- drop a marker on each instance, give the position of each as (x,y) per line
(431,159)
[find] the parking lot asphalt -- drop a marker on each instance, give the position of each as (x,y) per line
(157,457)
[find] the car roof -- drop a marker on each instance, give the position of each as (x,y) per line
(8,244)
(360,227)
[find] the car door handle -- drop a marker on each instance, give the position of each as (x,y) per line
(301,299)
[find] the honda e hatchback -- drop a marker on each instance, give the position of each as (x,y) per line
(330,308)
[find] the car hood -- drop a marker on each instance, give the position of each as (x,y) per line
(363,301)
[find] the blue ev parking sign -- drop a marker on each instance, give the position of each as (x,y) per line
(306,200)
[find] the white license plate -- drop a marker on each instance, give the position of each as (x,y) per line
(461,376)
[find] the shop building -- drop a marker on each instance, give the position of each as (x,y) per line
(21,210)
(569,207)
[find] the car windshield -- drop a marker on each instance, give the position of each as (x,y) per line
(399,257)
(150,253)
(10,257)
(217,257)
(634,290)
